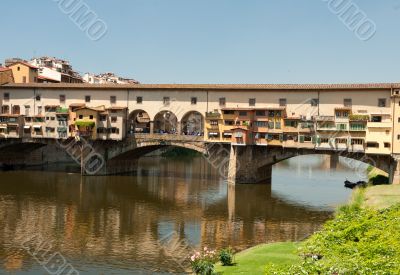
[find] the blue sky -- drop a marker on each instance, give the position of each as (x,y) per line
(211,41)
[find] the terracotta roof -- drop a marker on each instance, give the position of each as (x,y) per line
(116,108)
(4,69)
(24,63)
(237,87)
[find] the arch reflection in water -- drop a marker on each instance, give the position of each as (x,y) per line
(100,223)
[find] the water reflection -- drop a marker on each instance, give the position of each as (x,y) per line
(117,222)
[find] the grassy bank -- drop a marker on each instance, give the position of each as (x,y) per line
(254,260)
(363,238)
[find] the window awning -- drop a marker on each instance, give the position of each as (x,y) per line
(37,126)
(3,127)
(228,134)
(213,134)
(239,135)
(27,127)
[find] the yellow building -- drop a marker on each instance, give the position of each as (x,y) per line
(87,120)
(24,72)
(6,76)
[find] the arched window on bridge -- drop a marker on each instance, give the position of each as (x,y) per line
(138,122)
(193,124)
(166,122)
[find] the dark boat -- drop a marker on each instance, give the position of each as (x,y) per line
(352,185)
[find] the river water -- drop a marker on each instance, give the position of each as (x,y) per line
(150,221)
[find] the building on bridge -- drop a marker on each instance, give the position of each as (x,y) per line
(358,118)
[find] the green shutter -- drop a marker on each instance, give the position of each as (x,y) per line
(301,138)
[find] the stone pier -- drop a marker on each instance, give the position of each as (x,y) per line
(244,169)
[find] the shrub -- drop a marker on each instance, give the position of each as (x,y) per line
(226,256)
(203,262)
(356,241)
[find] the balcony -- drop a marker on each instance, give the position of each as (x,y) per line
(359,117)
(325,118)
(342,119)
(213,115)
(357,127)
(386,125)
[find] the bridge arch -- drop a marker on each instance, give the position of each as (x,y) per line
(166,122)
(192,123)
(138,122)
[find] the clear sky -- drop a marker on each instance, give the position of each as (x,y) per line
(211,41)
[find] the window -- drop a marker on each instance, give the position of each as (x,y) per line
(228,112)
(62,99)
(347,102)
(5,109)
(91,117)
(229,122)
(398,137)
(386,145)
(270,124)
(214,122)
(357,141)
(87,98)
(271,113)
(376,119)
(341,127)
(38,98)
(282,102)
(27,108)
(113,99)
(113,119)
(80,116)
(314,102)
(382,102)
(277,125)
(252,102)
(222,101)
(24,79)
(114,130)
(291,123)
(242,113)
(39,110)
(166,101)
(47,118)
(139,100)
(16,109)
(103,118)
(260,113)
(193,100)
(372,145)
(18,68)
(6,96)
(260,123)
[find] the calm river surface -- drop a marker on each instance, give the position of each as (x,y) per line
(143,223)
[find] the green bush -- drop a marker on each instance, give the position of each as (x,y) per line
(226,256)
(356,241)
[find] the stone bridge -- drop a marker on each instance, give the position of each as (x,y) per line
(239,164)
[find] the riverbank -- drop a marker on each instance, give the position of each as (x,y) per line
(254,260)
(365,233)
